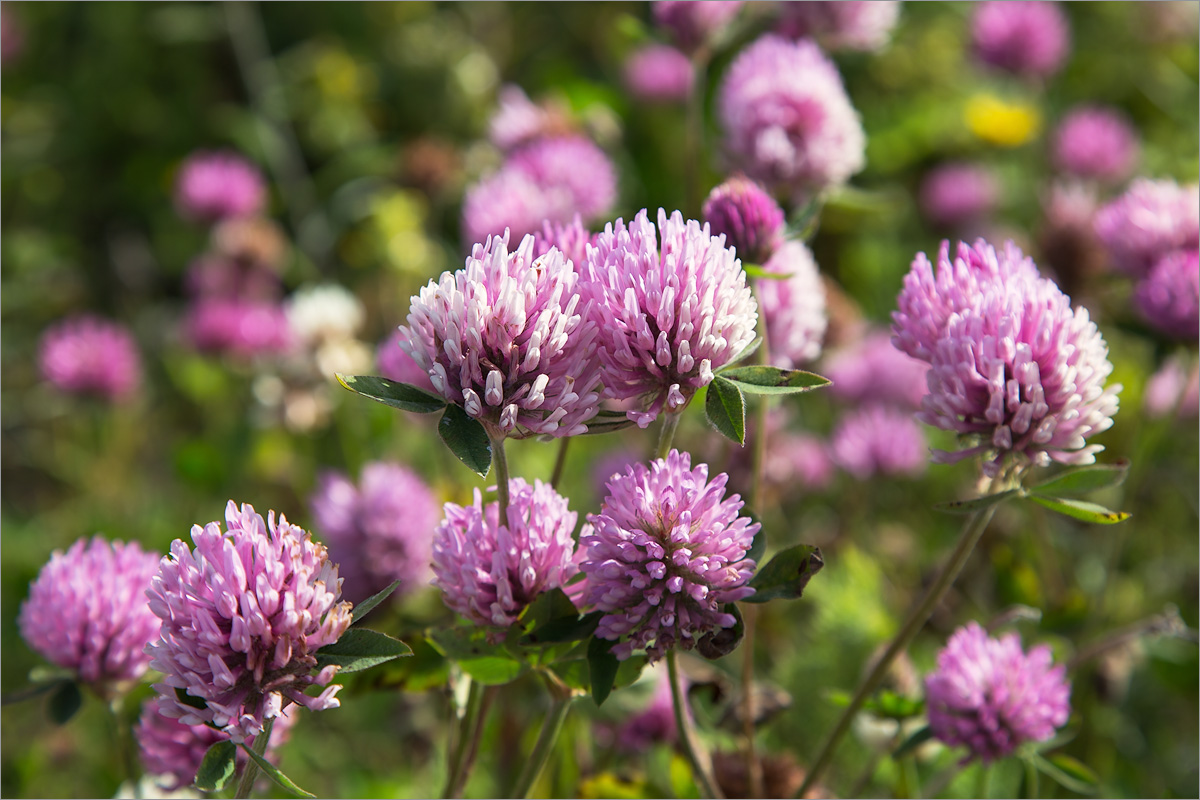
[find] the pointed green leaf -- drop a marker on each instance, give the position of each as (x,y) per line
(726,409)
(756,271)
(368,605)
(1080,509)
(602,668)
(773,380)
(30,692)
(360,649)
(65,701)
(806,220)
(910,744)
(391,393)
(975,503)
(1080,480)
(1068,773)
(217,767)
(467,439)
(786,575)
(564,629)
(274,774)
(723,641)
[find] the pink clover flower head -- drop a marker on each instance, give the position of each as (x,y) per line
(378,531)
(693,25)
(216,185)
(1173,386)
(958,194)
(1011,362)
(569,237)
(667,318)
(872,370)
(242,328)
(666,551)
(90,355)
(510,340)
(1095,142)
(749,218)
(990,696)
(658,73)
(518,120)
(489,572)
(1151,219)
(787,120)
(841,24)
(1169,297)
(573,164)
(397,365)
(243,615)
(509,199)
(87,611)
(209,277)
(793,307)
(799,458)
(172,750)
(879,440)
(1025,37)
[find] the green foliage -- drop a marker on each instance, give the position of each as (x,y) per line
(218,766)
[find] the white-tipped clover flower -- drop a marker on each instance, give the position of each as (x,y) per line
(243,615)
(1011,363)
(510,340)
(672,307)
(489,572)
(665,553)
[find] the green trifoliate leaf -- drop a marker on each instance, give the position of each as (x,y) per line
(602,668)
(360,649)
(65,701)
(368,605)
(786,575)
(1080,480)
(1080,509)
(467,439)
(773,380)
(726,409)
(274,774)
(217,767)
(397,395)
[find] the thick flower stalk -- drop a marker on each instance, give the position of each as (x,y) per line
(1152,219)
(216,185)
(793,307)
(667,317)
(87,611)
(1011,363)
(1095,142)
(788,122)
(172,751)
(89,355)
(989,696)
(510,340)
(378,531)
(841,24)
(1024,37)
(243,615)
(665,553)
(747,216)
(490,571)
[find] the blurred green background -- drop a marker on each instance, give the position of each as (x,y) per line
(386,107)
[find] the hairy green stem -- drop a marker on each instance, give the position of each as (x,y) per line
(666,434)
(500,461)
(970,536)
(470,730)
(250,771)
(701,770)
(560,461)
(551,727)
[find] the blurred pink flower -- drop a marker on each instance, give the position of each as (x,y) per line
(658,73)
(1025,37)
(242,328)
(793,307)
(841,24)
(1152,219)
(1095,142)
(878,440)
(1169,297)
(89,355)
(958,194)
(871,370)
(215,185)
(693,24)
